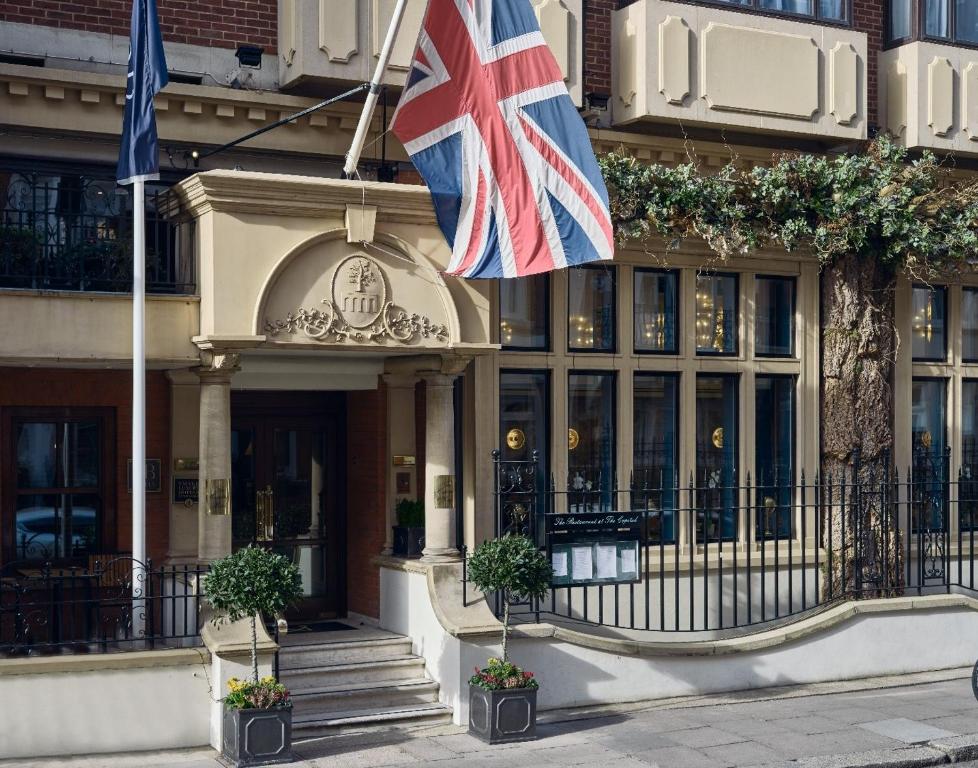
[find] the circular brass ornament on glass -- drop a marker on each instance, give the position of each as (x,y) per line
(573,439)
(926,439)
(718,437)
(515,439)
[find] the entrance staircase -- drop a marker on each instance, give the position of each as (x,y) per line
(357,679)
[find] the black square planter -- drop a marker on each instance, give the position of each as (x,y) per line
(408,542)
(501,717)
(257,737)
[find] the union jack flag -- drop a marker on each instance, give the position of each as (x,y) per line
(489,124)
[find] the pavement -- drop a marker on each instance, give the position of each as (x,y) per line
(917,720)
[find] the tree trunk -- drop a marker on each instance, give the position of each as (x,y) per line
(505,628)
(254,649)
(858,353)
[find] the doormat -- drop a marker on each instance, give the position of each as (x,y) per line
(320,626)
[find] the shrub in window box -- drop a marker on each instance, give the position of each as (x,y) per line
(503,697)
(254,584)
(409,531)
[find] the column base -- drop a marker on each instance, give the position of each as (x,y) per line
(440,555)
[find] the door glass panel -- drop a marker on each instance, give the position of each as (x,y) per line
(591,438)
(774,451)
(36,464)
(656,428)
(929,433)
(82,454)
(40,527)
(716,456)
(293,491)
(243,486)
(310,559)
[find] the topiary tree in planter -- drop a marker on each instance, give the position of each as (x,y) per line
(250,583)
(502,696)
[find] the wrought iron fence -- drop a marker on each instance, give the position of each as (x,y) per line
(47,609)
(74,232)
(705,555)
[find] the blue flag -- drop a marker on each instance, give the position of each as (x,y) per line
(139,154)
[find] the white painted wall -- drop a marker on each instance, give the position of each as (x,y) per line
(101,710)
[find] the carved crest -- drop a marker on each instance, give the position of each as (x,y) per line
(359,290)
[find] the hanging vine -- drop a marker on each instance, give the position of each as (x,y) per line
(880,204)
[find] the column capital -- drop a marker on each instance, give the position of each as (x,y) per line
(436,379)
(400,380)
(217,366)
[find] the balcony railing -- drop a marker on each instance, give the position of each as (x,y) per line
(718,554)
(74,233)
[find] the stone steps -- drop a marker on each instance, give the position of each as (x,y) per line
(304,656)
(306,726)
(395,668)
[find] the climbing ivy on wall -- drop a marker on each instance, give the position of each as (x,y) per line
(908,213)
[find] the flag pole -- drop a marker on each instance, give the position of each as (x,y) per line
(138,396)
(353,156)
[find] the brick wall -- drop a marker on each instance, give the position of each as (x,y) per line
(38,387)
(868,18)
(215,23)
(366,516)
(597,45)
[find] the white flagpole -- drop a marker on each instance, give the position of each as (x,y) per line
(138,403)
(353,156)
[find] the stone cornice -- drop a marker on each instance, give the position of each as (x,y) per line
(285,195)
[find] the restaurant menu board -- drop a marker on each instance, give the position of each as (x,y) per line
(594,548)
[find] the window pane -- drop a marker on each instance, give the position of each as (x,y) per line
(591,438)
(591,309)
(774,322)
(900,19)
(524,408)
(936,20)
(82,454)
(774,451)
(655,451)
(716,456)
(789,6)
(969,324)
(834,10)
(716,314)
(83,536)
(36,462)
(523,315)
(40,527)
(968,492)
(929,313)
(656,311)
(966,21)
(929,439)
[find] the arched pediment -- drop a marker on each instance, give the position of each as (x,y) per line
(331,292)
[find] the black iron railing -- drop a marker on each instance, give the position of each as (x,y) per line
(47,609)
(74,233)
(669,556)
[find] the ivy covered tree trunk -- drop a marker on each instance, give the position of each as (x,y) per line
(858,354)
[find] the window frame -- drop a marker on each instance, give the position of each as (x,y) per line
(106,525)
(793,353)
(755,9)
(677,324)
(615,284)
(548,319)
(918,25)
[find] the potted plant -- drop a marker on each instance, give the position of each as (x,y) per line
(254,584)
(409,531)
(503,697)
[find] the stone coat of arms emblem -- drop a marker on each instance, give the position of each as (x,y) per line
(359,291)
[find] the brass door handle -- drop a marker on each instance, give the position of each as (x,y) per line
(264,515)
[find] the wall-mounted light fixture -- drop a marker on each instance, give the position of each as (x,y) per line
(249,56)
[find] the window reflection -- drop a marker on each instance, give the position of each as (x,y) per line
(774,399)
(774,321)
(591,434)
(930,461)
(523,312)
(656,311)
(929,320)
(716,314)
(591,309)
(716,456)
(656,451)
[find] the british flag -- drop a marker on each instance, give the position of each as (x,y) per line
(488,122)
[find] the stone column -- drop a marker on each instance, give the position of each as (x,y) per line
(400,442)
(439,490)
(214,531)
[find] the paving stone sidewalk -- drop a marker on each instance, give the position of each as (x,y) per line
(931,722)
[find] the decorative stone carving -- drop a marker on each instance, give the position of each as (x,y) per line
(969,96)
(338,29)
(940,103)
(674,52)
(404,45)
(555,24)
(627,86)
(896,98)
(359,311)
(844,83)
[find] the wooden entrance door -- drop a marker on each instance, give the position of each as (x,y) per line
(287,473)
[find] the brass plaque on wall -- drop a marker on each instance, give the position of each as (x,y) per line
(186,465)
(217,496)
(404,461)
(444,491)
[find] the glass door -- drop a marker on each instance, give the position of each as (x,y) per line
(284,483)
